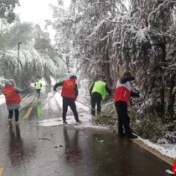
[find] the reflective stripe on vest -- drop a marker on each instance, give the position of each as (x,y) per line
(122,92)
(38,85)
(68,89)
(11,96)
(100,87)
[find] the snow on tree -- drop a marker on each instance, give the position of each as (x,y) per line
(35,58)
(7,9)
(104,36)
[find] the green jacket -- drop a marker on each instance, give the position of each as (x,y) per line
(38,85)
(99,87)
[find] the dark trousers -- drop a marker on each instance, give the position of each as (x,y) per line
(95,100)
(69,102)
(38,92)
(16,114)
(123,118)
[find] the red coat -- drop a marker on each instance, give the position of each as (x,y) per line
(11,96)
(68,89)
(122,92)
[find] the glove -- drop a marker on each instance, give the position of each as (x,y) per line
(141,96)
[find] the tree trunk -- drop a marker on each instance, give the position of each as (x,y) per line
(163,48)
(107,71)
(172,98)
(68,63)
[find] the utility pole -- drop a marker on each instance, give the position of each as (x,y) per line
(19,50)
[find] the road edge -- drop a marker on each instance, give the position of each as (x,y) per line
(154,152)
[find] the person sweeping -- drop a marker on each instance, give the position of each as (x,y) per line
(97,93)
(69,95)
(123,93)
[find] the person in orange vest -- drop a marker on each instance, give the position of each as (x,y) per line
(69,95)
(13,100)
(122,95)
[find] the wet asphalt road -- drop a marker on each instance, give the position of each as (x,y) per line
(33,150)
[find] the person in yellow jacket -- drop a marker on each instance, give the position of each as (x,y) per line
(97,93)
(38,87)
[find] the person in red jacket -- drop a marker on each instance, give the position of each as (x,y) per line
(122,95)
(69,95)
(12,100)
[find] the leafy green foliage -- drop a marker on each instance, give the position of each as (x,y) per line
(148,126)
(107,116)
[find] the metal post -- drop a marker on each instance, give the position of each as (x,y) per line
(19,50)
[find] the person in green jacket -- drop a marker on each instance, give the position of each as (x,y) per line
(38,87)
(97,93)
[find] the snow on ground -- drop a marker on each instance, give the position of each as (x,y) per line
(2,99)
(85,122)
(83,111)
(167,150)
(51,122)
(170,172)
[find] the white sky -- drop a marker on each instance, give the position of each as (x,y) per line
(37,11)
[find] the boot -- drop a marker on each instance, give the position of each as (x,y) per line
(10,121)
(98,113)
(64,123)
(78,122)
(132,136)
(93,112)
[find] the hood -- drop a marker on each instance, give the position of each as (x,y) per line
(8,83)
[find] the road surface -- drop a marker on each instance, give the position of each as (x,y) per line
(41,146)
